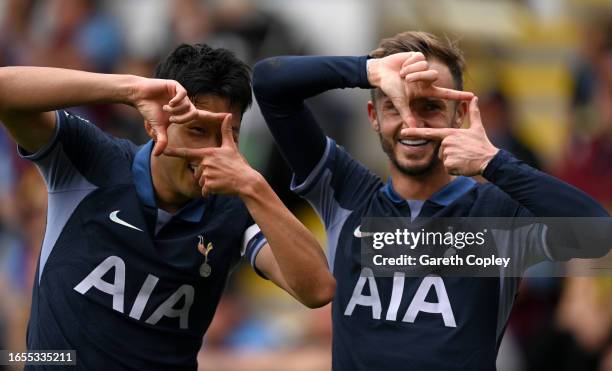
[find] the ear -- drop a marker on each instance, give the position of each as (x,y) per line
(460,114)
(149,129)
(373,117)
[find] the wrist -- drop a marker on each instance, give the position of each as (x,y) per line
(487,159)
(251,185)
(129,92)
(372,71)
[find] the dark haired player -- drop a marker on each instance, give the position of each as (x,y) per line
(134,259)
(417,108)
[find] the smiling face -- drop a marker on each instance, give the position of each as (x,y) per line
(174,178)
(415,156)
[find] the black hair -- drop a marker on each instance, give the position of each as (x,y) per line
(204,70)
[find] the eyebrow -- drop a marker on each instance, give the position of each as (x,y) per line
(431,100)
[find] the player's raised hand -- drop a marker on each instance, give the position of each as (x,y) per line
(222,170)
(150,96)
(384,73)
(419,82)
(463,151)
(406,76)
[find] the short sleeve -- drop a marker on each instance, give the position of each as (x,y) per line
(252,242)
(79,155)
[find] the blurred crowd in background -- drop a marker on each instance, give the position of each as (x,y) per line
(542,70)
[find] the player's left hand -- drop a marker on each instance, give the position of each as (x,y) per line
(157,100)
(463,151)
(222,170)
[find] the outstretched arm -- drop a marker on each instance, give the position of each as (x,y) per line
(29,94)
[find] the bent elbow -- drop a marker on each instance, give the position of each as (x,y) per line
(264,76)
(322,296)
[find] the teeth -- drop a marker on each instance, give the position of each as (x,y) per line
(193,167)
(414,142)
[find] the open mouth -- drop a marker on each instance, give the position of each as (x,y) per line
(192,167)
(414,142)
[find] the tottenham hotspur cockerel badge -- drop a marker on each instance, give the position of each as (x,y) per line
(205,268)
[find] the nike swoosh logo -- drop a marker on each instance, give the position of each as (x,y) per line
(359,234)
(113,216)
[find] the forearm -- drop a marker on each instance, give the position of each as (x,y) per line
(299,257)
(541,194)
(281,85)
(40,89)
(284,80)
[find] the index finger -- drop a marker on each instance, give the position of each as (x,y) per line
(187,153)
(180,94)
(452,94)
(202,116)
(427,133)
(208,116)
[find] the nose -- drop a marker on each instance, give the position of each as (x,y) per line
(410,120)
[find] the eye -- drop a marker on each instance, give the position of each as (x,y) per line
(432,106)
(197,130)
(390,109)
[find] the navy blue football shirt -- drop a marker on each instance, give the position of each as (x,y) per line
(119,280)
(402,323)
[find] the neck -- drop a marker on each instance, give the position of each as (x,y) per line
(419,187)
(165,198)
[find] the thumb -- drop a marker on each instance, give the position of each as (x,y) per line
(227,133)
(403,109)
(161,139)
(474,112)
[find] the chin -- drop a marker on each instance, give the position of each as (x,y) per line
(416,167)
(191,191)
(195,192)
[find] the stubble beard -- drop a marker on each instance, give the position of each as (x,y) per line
(414,170)
(410,170)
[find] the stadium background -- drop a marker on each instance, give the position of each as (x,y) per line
(542,70)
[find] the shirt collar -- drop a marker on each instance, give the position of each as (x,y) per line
(141,172)
(445,196)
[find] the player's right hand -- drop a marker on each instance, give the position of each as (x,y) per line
(383,73)
(464,152)
(405,76)
(419,81)
(223,169)
(157,100)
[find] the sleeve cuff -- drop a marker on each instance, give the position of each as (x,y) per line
(311,180)
(364,83)
(253,247)
(47,148)
(499,159)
